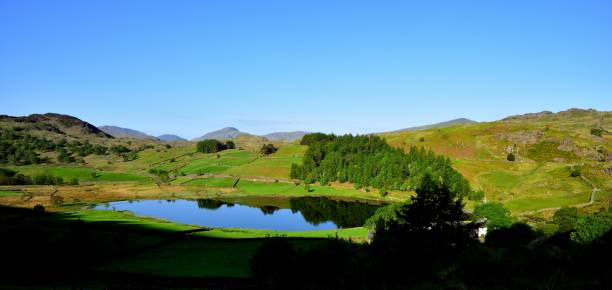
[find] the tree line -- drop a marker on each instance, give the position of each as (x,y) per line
(10,177)
(369,161)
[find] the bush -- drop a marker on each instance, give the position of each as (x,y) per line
(510,157)
(383,192)
(575,171)
(598,132)
(268,149)
(496,214)
(45,179)
(476,195)
(73,181)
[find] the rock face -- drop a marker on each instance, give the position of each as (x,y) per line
(221,134)
(285,136)
(170,138)
(119,132)
(459,121)
(56,123)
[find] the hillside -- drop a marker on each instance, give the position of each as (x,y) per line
(546,146)
(285,136)
(119,132)
(221,134)
(459,121)
(170,138)
(52,124)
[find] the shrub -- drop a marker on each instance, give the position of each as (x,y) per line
(598,132)
(510,157)
(575,170)
(268,149)
(383,192)
(39,208)
(476,195)
(496,214)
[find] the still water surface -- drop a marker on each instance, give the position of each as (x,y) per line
(296,214)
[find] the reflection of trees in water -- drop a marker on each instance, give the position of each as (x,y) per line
(315,210)
(209,203)
(344,214)
(268,209)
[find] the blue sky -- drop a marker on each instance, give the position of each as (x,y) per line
(189,67)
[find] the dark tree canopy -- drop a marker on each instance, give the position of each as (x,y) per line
(370,162)
(268,149)
(214,146)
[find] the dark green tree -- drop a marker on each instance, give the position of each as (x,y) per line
(496,214)
(510,157)
(566,218)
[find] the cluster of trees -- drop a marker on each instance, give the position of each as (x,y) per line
(268,149)
(583,229)
(163,175)
(10,177)
(425,243)
(214,146)
(316,210)
(17,147)
(368,161)
(598,132)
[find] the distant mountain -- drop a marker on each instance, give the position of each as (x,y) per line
(119,132)
(460,121)
(221,134)
(52,123)
(573,112)
(285,136)
(170,138)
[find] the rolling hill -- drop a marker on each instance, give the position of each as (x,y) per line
(119,132)
(170,138)
(55,125)
(285,136)
(546,145)
(459,121)
(221,134)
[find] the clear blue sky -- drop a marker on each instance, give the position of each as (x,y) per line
(188,67)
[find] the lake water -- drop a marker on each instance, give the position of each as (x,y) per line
(295,214)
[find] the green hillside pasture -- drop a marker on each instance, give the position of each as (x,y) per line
(10,193)
(277,165)
(198,258)
(541,186)
(212,182)
(209,163)
(220,252)
(80,173)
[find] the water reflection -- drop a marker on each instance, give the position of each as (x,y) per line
(305,213)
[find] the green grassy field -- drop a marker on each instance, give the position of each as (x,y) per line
(80,173)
